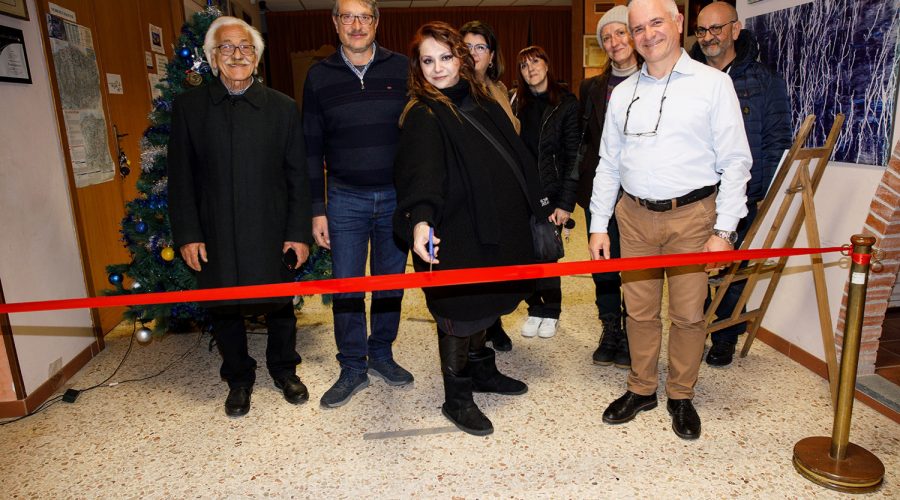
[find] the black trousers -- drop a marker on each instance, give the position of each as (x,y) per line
(238,367)
(608,286)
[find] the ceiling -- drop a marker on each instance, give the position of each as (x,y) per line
(288,5)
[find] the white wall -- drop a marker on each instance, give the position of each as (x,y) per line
(39,255)
(842,204)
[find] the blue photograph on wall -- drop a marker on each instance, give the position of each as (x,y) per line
(838,56)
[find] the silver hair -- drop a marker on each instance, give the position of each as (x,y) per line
(210,42)
(372,4)
(669,5)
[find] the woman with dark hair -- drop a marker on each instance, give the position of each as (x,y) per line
(549,116)
(482,43)
(466,189)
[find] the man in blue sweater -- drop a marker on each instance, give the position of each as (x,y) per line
(351,106)
(767,119)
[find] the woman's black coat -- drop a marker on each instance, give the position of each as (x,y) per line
(237,182)
(448,175)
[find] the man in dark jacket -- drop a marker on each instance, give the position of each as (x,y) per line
(239,201)
(351,108)
(767,119)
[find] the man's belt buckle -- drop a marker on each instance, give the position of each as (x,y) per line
(657,205)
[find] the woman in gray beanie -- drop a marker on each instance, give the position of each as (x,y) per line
(623,61)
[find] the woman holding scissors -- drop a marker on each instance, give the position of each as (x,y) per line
(466,187)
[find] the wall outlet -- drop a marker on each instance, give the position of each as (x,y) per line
(55,367)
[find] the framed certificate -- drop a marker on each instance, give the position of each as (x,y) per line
(13,59)
(14,8)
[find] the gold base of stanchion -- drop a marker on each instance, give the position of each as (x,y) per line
(859,472)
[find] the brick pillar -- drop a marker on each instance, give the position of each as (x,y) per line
(883,222)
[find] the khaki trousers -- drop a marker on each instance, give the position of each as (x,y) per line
(644,232)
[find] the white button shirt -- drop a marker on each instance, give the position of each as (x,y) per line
(700,142)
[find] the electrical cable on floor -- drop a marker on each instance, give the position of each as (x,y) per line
(55,399)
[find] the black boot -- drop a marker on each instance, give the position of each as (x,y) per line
(498,337)
(459,407)
(609,340)
(622,358)
(486,377)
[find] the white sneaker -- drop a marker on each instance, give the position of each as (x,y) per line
(531,325)
(547,328)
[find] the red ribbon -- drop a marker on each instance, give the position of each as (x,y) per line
(862,259)
(412,280)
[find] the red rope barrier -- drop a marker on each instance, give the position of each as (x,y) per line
(412,280)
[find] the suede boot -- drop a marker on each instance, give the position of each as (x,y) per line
(459,407)
(622,359)
(487,378)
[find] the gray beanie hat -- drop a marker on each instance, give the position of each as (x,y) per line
(617,14)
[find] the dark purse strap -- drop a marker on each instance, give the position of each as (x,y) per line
(503,153)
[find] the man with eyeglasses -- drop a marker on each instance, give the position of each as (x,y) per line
(766,109)
(352,102)
(239,204)
(674,141)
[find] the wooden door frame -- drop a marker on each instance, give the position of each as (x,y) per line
(87,271)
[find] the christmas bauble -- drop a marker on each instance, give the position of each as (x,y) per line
(143,335)
(194,79)
(167,254)
(140,227)
(115,278)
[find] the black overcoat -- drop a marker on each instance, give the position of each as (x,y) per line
(237,182)
(448,175)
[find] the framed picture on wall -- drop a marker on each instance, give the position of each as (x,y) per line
(13,59)
(594,55)
(14,8)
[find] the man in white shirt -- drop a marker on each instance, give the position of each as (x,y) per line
(674,141)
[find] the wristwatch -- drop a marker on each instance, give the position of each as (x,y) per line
(729,236)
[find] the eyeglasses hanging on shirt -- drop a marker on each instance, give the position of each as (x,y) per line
(635,97)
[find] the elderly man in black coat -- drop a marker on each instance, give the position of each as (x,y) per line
(239,204)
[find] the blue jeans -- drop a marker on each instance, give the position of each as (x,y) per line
(356,218)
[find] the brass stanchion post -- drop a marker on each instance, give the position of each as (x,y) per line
(835,462)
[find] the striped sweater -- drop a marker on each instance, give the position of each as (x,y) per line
(352,125)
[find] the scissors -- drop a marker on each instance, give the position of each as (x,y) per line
(430,248)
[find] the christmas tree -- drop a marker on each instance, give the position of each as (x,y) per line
(145,231)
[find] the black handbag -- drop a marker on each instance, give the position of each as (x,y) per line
(548,244)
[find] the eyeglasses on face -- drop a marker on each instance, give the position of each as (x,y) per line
(715,29)
(478,48)
(227,49)
(364,19)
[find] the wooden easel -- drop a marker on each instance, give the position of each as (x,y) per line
(803,183)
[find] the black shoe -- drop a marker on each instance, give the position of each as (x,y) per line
(627,407)
(293,389)
(685,421)
(389,371)
(498,337)
(720,354)
(237,404)
(487,378)
(609,339)
(348,383)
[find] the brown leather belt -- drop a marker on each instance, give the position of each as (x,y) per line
(666,205)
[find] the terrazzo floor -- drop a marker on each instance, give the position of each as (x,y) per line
(167,437)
